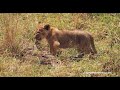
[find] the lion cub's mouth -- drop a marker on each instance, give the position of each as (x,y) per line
(37,37)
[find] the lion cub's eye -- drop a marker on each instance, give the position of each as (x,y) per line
(38,32)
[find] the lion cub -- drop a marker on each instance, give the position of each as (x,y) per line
(81,40)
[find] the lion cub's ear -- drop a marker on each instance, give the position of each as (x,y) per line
(47,27)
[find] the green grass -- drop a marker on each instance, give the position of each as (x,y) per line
(17,33)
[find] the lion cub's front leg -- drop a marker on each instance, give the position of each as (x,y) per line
(54,47)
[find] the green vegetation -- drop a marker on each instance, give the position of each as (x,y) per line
(17,34)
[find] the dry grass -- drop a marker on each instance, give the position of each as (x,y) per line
(19,57)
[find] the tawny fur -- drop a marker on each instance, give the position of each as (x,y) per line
(81,40)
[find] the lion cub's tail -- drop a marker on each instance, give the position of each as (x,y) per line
(93,45)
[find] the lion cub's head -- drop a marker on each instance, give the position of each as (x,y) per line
(42,32)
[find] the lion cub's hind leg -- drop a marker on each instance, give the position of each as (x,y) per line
(83,50)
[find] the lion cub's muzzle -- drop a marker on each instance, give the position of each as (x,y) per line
(37,37)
